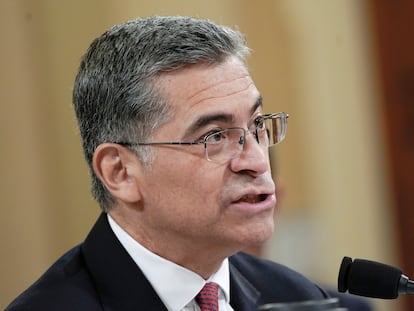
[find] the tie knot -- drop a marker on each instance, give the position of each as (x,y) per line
(207,298)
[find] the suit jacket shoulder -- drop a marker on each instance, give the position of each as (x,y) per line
(62,287)
(96,275)
(274,282)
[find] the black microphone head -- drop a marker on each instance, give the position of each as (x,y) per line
(369,278)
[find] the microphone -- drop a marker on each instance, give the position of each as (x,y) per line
(372,279)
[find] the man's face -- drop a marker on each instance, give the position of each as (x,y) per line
(190,202)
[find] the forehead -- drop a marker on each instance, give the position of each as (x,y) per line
(196,90)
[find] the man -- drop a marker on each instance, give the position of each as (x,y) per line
(177,143)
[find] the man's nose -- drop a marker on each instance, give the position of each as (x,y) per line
(253,159)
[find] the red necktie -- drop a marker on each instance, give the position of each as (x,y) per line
(207,298)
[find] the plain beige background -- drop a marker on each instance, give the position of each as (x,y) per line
(312,59)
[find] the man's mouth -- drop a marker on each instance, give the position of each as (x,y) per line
(253,198)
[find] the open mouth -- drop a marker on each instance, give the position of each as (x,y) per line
(253,198)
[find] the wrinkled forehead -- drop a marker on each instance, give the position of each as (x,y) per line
(198,83)
(224,93)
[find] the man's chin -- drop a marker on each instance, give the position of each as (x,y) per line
(259,236)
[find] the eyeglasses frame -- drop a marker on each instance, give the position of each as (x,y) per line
(282,115)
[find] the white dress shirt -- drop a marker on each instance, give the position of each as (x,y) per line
(175,285)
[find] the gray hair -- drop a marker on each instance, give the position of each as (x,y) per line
(115,95)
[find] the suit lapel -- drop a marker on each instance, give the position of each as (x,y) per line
(120,283)
(243,295)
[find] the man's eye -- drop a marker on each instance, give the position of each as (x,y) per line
(215,137)
(259,123)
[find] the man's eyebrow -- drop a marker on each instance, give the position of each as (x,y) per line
(207,119)
(257,104)
(218,117)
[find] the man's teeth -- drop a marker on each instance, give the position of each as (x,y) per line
(251,198)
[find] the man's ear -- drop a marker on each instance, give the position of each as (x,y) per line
(118,168)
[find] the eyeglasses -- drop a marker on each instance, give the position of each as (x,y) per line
(226,144)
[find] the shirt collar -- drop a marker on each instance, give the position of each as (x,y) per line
(157,270)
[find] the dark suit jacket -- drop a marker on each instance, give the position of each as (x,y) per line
(100,275)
